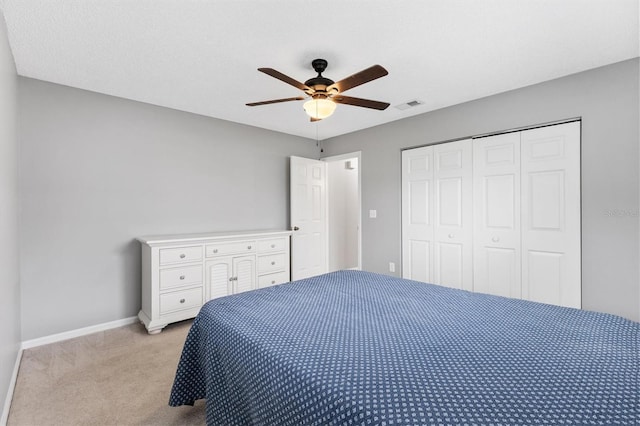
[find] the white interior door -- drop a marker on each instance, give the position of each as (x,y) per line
(453,208)
(551,266)
(496,181)
(308,217)
(417,214)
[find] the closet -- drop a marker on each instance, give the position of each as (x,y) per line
(497,214)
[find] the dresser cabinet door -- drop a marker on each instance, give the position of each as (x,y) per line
(219,277)
(244,273)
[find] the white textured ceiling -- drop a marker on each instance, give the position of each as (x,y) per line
(202,56)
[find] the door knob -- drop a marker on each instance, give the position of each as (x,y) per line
(295,228)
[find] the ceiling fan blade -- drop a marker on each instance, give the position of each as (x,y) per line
(277,74)
(314,119)
(275,101)
(359,78)
(366,103)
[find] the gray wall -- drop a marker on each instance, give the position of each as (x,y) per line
(606,99)
(9,285)
(98,171)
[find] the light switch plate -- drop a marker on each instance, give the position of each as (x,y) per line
(373,214)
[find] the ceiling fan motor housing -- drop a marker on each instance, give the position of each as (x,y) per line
(319,84)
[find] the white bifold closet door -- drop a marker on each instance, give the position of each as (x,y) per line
(527,215)
(496,246)
(437,231)
(551,220)
(497,214)
(417,214)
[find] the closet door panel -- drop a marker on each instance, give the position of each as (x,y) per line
(544,276)
(418,199)
(449,202)
(502,273)
(551,214)
(496,179)
(419,259)
(453,205)
(450,266)
(417,214)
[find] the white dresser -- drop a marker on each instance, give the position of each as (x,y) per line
(182,272)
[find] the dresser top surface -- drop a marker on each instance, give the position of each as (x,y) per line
(210,236)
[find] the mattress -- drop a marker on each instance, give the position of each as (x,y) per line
(357,348)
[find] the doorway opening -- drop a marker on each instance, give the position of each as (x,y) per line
(344,242)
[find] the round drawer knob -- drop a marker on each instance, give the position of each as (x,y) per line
(215,250)
(450,235)
(273,281)
(273,246)
(182,300)
(182,256)
(182,277)
(248,247)
(495,239)
(273,263)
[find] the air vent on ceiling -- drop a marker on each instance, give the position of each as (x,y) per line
(410,104)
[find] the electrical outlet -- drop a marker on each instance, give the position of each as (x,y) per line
(373,214)
(392,267)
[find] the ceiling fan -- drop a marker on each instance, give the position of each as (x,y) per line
(324,94)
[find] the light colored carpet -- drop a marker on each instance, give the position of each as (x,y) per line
(121,376)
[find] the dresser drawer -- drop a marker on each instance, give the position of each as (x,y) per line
(235,247)
(174,277)
(272,279)
(276,244)
(180,300)
(180,255)
(272,262)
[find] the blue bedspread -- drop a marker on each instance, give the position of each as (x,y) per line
(356,348)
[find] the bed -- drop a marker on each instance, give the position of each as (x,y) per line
(357,348)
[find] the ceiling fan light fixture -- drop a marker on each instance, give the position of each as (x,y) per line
(319,108)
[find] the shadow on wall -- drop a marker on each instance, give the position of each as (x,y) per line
(130,258)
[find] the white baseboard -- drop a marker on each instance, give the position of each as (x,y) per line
(28,344)
(12,386)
